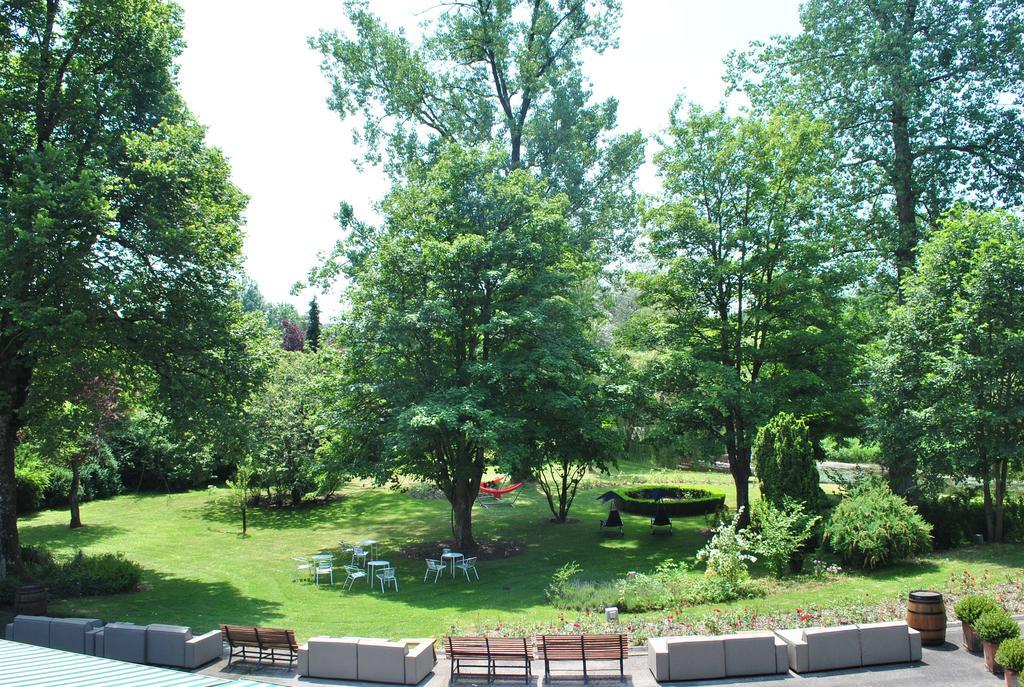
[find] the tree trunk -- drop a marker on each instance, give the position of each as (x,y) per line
(739,467)
(245,518)
(462,499)
(76,481)
(14,383)
(986,484)
(296,496)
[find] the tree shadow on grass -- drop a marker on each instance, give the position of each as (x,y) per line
(175,600)
(60,536)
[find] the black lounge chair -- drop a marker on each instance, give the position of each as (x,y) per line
(660,520)
(612,522)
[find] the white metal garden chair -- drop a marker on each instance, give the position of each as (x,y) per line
(467,564)
(353,573)
(302,568)
(323,567)
(386,577)
(359,556)
(434,566)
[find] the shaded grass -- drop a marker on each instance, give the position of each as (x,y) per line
(200,571)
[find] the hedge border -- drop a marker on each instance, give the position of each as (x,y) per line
(708,502)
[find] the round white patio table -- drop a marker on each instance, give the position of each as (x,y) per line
(451,556)
(371,567)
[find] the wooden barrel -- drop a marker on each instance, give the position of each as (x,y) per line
(926,613)
(30,599)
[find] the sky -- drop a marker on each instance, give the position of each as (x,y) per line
(249,76)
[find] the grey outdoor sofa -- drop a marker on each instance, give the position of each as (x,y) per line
(850,646)
(706,658)
(405,662)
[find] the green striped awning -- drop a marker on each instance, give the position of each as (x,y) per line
(25,665)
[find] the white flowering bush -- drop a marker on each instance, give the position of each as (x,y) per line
(727,555)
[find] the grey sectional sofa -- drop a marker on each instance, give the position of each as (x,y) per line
(168,645)
(706,658)
(407,661)
(850,646)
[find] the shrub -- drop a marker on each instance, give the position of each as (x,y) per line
(561,578)
(679,501)
(996,626)
(726,554)
(872,527)
(954,518)
(31,481)
(92,575)
(781,533)
(851,450)
(784,460)
(972,607)
(1011,655)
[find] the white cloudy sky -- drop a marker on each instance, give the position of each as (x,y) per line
(249,76)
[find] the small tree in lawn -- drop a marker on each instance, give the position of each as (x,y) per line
(313,328)
(784,459)
(578,434)
(242,490)
(294,338)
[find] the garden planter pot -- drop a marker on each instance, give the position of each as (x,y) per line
(1012,678)
(990,657)
(971,641)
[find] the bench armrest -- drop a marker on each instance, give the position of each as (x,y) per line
(419,660)
(203,649)
(302,665)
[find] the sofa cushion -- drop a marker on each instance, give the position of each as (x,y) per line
(68,634)
(691,658)
(884,643)
(750,653)
(332,657)
(125,642)
(32,629)
(796,649)
(165,644)
(381,661)
(833,648)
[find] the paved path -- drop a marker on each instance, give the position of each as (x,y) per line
(945,666)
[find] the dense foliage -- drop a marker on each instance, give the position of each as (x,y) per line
(873,527)
(970,608)
(781,534)
(996,626)
(784,462)
(119,226)
(1010,654)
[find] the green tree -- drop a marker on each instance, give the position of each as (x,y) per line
(313,328)
(956,353)
(574,426)
(119,227)
(487,72)
(745,304)
(917,93)
(461,310)
(784,460)
(282,432)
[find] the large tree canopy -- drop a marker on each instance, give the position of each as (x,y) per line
(487,71)
(920,92)
(461,320)
(119,227)
(950,376)
(744,307)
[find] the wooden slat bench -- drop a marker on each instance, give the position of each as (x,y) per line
(262,644)
(485,652)
(582,648)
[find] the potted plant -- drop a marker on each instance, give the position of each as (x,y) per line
(968,610)
(1011,657)
(994,628)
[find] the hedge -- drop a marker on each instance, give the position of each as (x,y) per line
(681,501)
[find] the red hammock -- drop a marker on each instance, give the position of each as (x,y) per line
(498,493)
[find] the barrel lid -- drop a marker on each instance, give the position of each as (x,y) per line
(926,596)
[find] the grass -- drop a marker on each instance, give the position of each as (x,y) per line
(200,571)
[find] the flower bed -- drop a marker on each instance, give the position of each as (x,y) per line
(679,501)
(683,622)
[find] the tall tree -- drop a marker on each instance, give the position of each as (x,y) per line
(920,93)
(313,328)
(747,290)
(119,227)
(294,339)
(955,356)
(489,71)
(461,310)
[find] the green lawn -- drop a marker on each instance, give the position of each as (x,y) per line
(199,571)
